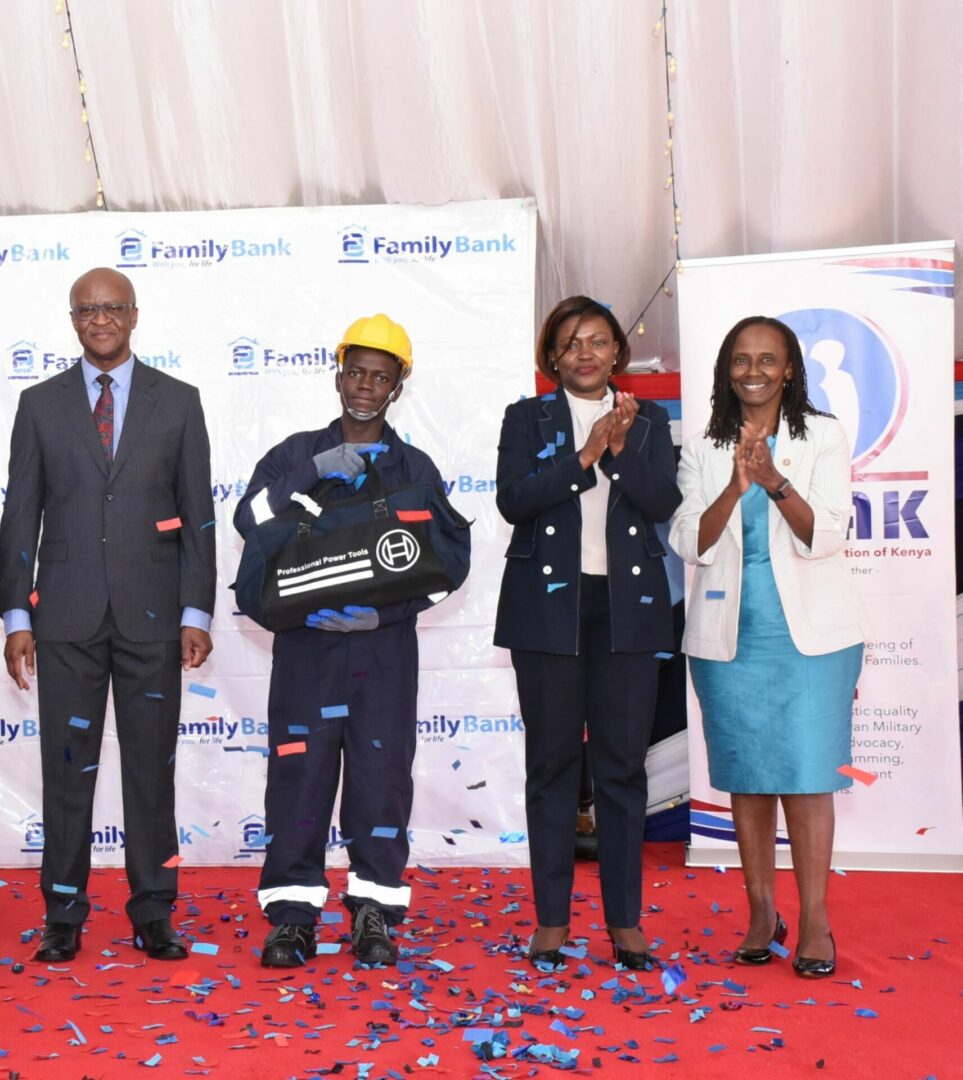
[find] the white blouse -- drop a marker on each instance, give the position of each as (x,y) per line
(594,502)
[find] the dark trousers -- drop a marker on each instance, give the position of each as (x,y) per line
(375,675)
(72,681)
(614,695)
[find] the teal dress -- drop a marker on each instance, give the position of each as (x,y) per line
(776,722)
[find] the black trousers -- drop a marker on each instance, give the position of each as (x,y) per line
(73,679)
(614,695)
(374,675)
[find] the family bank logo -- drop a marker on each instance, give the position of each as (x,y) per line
(27,361)
(136,250)
(357,244)
(27,253)
(248,356)
(442,728)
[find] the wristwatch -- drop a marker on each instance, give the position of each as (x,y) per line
(782,492)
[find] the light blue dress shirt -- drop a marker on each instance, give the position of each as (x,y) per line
(18,619)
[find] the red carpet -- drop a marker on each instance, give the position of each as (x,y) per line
(894,1008)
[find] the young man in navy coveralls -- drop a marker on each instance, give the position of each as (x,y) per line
(363,658)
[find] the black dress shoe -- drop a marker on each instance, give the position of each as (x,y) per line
(808,967)
(158,939)
(60,941)
(369,937)
(288,945)
(629,958)
(763,955)
(539,958)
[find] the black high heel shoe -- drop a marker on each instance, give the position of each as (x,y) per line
(629,958)
(763,955)
(808,967)
(552,957)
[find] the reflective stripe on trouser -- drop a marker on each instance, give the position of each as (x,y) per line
(312,895)
(374,674)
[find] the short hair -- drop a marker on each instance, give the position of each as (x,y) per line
(582,307)
(726,418)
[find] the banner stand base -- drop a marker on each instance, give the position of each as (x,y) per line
(842,860)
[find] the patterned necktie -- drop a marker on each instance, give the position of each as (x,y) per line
(104,416)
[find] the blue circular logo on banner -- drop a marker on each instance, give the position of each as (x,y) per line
(853,372)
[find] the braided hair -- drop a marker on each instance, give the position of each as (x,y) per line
(726,418)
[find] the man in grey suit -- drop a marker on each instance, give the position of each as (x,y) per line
(110,471)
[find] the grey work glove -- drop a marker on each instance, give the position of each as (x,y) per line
(342,462)
(352,618)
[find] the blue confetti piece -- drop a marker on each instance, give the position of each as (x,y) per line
(548,452)
(456,765)
(673,977)
(201,691)
(298,729)
(553,585)
(478,1034)
(715,594)
(261,840)
(666,1059)
(717,1048)
(155,696)
(511,838)
(385,832)
(645,599)
(153,1062)
(208,948)
(866,1014)
(208,524)
(361,479)
(67,890)
(328,948)
(151,615)
(79,722)
(332,712)
(548,397)
(26,559)
(90,768)
(779,950)
(77,1032)
(376,743)
(664,655)
(328,917)
(199,830)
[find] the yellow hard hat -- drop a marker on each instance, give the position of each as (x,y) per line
(378,332)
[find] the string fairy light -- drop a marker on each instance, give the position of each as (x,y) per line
(62,7)
(660,30)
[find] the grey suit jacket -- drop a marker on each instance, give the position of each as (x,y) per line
(97,525)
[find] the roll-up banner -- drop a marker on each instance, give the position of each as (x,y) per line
(876,330)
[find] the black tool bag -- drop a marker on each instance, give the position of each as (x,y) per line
(371,549)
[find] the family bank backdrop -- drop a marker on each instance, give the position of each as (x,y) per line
(249,306)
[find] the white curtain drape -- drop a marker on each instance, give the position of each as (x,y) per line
(799,125)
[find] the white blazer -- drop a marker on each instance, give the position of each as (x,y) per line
(814,584)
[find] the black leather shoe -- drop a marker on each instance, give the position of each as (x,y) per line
(60,941)
(288,945)
(763,955)
(808,967)
(159,941)
(629,958)
(369,937)
(539,958)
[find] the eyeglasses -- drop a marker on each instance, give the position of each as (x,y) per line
(86,312)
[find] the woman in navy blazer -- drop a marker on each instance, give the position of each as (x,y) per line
(584,474)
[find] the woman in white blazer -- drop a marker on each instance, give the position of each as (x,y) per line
(773,627)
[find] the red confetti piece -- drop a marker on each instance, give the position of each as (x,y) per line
(924,830)
(169,524)
(861,775)
(34,598)
(292,748)
(414,515)
(174,860)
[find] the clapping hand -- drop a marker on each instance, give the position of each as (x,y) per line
(624,411)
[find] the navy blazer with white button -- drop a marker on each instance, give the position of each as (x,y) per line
(539,482)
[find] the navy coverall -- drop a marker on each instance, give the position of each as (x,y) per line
(374,674)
